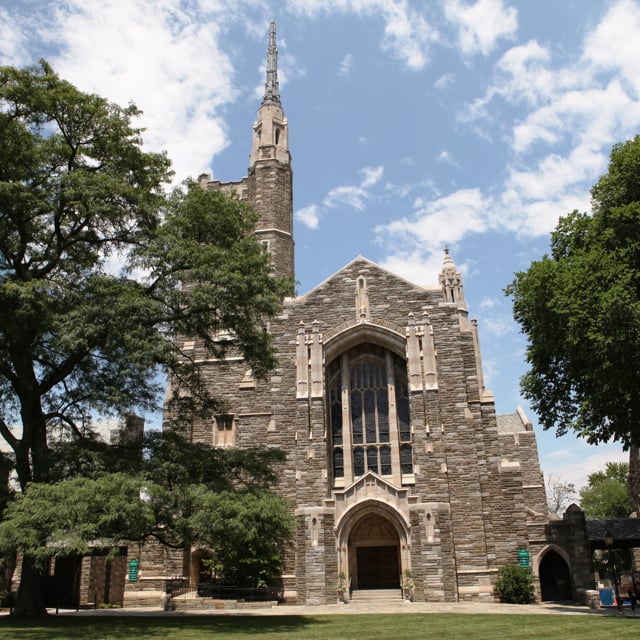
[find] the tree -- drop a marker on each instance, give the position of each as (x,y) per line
(53,520)
(559,494)
(76,191)
(606,494)
(219,499)
(7,558)
(182,493)
(579,308)
(87,512)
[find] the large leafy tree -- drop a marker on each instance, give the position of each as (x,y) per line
(183,493)
(78,196)
(87,512)
(606,494)
(580,310)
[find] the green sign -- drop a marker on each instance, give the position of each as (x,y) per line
(133,570)
(523,558)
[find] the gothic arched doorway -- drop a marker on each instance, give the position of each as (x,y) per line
(374,559)
(555,577)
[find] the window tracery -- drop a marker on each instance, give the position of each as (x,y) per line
(369,414)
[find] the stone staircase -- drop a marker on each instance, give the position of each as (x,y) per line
(375,596)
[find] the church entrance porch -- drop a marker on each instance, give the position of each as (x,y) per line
(374,553)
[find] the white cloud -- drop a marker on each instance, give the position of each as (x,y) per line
(498,324)
(372,176)
(408,35)
(447,158)
(574,461)
(444,82)
(415,266)
(481,24)
(12,41)
(614,44)
(352,196)
(489,303)
(344,70)
(436,223)
(309,216)
(575,113)
(149,53)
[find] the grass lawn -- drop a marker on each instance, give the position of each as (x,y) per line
(363,627)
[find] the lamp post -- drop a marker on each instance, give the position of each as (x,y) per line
(608,541)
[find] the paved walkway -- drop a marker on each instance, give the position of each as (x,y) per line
(546,608)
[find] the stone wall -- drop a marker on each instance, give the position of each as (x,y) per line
(475,488)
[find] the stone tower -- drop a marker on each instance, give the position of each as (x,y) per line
(270,173)
(268,187)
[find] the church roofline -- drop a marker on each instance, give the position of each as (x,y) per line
(360,258)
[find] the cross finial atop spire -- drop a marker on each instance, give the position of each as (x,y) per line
(271,86)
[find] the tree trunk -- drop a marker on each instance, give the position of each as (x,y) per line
(186,560)
(634,477)
(30,602)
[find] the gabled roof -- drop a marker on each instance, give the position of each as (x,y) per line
(373,265)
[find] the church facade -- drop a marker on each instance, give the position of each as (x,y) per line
(397,467)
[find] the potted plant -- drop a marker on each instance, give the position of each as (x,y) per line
(408,587)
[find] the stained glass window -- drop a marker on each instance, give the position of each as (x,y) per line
(369,412)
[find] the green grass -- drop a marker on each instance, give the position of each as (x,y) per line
(337,627)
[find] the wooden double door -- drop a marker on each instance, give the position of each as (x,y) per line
(378,567)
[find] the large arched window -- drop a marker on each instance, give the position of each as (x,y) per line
(368,431)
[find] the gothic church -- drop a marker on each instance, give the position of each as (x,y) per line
(397,464)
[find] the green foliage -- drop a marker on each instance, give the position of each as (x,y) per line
(76,190)
(215,498)
(71,517)
(78,197)
(515,584)
(246,532)
(580,310)
(607,493)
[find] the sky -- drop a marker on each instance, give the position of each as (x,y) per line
(413,126)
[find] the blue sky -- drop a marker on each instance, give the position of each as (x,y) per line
(413,126)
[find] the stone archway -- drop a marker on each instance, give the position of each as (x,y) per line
(374,558)
(555,577)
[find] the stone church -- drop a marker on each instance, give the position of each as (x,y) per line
(397,465)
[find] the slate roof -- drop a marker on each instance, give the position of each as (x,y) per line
(625,532)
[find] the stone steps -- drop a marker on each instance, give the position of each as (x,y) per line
(372,596)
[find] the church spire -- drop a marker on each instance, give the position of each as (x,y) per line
(271,86)
(270,173)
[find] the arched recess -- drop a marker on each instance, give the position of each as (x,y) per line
(392,339)
(554,574)
(373,546)
(368,405)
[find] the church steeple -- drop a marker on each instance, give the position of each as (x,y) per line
(270,173)
(271,85)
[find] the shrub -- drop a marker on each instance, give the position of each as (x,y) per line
(515,584)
